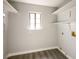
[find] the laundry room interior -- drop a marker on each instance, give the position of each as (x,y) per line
(39,29)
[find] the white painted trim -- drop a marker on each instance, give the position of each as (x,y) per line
(69,57)
(26,52)
(34,12)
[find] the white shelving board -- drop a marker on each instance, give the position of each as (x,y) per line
(69,5)
(64,22)
(65,7)
(8,7)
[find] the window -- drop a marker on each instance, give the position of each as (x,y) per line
(34,21)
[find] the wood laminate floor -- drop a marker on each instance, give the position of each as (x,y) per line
(48,54)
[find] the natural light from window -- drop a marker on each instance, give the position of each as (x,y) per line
(35,21)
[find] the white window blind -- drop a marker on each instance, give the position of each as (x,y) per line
(34,21)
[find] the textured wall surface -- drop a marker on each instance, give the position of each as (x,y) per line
(21,39)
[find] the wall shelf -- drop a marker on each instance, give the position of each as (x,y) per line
(64,22)
(8,7)
(65,7)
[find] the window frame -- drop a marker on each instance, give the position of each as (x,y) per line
(35,24)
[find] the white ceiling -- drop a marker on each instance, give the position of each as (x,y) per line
(53,3)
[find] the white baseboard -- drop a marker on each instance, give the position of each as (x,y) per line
(69,57)
(26,52)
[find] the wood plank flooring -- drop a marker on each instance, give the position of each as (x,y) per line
(48,54)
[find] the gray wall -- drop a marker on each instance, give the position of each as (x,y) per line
(21,39)
(67,42)
(5,27)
